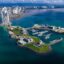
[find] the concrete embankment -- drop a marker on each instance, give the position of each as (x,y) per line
(56,41)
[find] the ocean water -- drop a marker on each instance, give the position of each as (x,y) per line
(10,52)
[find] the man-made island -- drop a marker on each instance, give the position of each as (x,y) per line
(33,42)
(24,39)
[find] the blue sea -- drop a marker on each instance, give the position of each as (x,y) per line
(11,53)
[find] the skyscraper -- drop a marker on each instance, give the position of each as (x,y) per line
(5,16)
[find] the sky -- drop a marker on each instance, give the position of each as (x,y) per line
(34,1)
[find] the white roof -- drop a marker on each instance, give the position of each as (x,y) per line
(22,42)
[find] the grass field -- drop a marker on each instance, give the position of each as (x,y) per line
(41,49)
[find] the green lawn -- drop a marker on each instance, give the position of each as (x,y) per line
(36,39)
(17,31)
(41,49)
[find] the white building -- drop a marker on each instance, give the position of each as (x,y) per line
(22,40)
(17,10)
(5,16)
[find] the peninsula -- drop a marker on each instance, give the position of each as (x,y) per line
(25,39)
(32,42)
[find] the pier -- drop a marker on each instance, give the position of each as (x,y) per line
(55,41)
(48,27)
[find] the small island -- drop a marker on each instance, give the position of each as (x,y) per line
(24,39)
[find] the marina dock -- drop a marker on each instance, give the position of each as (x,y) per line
(55,41)
(48,27)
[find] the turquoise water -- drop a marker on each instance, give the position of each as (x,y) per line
(13,54)
(50,18)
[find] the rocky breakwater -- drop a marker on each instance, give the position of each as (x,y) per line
(48,27)
(58,29)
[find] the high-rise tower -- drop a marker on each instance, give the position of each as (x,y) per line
(5,17)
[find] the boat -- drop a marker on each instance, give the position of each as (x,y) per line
(47,36)
(33,30)
(41,33)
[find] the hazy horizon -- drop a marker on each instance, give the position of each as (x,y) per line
(57,2)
